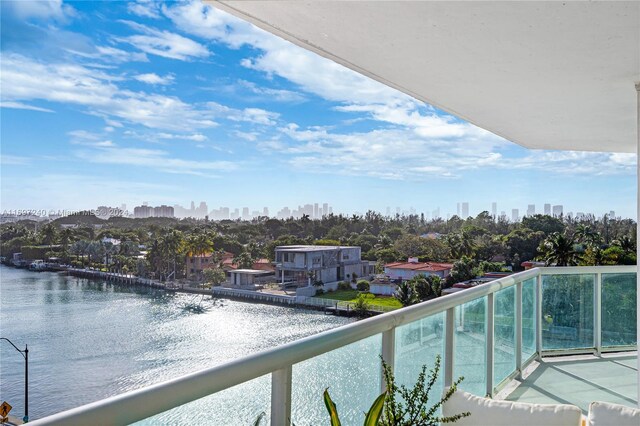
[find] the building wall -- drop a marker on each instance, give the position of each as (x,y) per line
(407,274)
(382,289)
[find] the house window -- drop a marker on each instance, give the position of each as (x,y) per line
(316,261)
(345,257)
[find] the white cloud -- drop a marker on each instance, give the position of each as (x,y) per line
(155,159)
(250,115)
(41,10)
(152,78)
(278,95)
(82,137)
(14,160)
(20,105)
(402,153)
(145,8)
(24,80)
(196,137)
(163,43)
(119,55)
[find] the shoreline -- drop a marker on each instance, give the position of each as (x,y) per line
(328,306)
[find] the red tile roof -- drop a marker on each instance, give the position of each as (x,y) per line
(420,266)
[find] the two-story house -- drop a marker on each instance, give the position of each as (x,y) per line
(303,265)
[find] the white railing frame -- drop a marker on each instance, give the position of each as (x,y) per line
(142,403)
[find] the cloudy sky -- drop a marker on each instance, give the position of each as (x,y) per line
(106,103)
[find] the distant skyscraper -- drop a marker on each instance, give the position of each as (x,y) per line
(612,214)
(494,210)
(458,210)
(325,209)
(515,215)
(388,211)
(315,211)
(557,210)
(547,209)
(265,211)
(465,210)
(531,210)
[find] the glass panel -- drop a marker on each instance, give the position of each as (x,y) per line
(619,309)
(567,311)
(239,405)
(470,352)
(504,350)
(418,344)
(351,373)
(528,319)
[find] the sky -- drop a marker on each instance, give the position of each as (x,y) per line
(105,103)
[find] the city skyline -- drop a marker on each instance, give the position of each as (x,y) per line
(178,101)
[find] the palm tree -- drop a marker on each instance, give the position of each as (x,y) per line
(587,235)
(243,260)
(48,234)
(406,294)
(559,249)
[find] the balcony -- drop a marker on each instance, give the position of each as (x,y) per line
(534,336)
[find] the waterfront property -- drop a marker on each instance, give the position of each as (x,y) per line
(302,265)
(412,267)
(553,75)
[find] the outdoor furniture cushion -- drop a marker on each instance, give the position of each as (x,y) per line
(607,414)
(486,411)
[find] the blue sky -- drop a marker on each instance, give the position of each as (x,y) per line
(106,103)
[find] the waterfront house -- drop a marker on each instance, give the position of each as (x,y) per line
(546,75)
(412,267)
(302,265)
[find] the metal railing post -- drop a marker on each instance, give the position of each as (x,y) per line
(490,342)
(449,345)
(281,396)
(388,354)
(597,315)
(539,317)
(519,330)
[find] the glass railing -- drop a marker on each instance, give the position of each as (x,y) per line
(487,334)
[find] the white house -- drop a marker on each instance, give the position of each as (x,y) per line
(411,268)
(304,264)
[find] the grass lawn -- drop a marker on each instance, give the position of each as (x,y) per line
(351,295)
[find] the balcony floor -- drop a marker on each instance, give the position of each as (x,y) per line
(578,380)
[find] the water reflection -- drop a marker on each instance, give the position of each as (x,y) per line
(93,339)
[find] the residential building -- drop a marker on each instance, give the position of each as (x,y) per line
(412,267)
(465,210)
(515,215)
(557,210)
(142,212)
(303,264)
(163,211)
(531,210)
(547,209)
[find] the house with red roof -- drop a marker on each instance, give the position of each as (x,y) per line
(412,267)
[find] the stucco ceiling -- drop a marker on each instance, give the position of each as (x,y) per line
(553,75)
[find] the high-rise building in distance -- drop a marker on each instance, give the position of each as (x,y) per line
(547,209)
(531,209)
(465,210)
(515,215)
(557,210)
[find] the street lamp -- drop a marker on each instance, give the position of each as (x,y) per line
(25,355)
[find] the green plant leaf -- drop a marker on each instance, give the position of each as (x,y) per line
(375,411)
(331,408)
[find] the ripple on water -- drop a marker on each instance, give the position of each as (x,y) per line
(90,339)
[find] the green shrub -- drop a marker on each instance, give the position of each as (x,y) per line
(363,285)
(344,285)
(319,292)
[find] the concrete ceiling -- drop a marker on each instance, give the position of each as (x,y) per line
(552,75)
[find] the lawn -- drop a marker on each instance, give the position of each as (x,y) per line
(351,296)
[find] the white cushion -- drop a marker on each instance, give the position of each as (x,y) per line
(607,414)
(485,411)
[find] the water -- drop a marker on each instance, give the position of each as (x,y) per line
(90,339)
